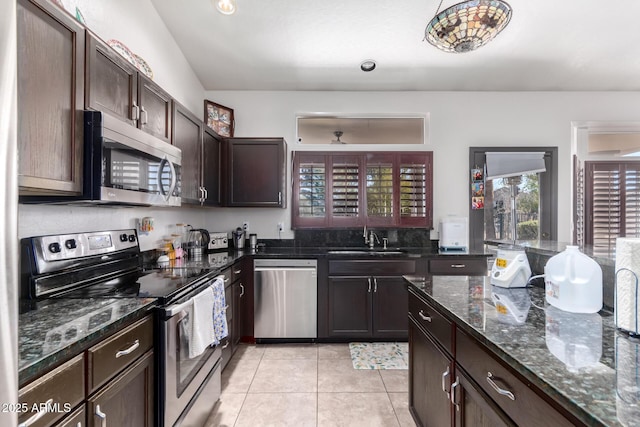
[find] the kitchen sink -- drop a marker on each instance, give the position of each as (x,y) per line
(365,252)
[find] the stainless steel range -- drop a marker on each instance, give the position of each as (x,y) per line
(108,264)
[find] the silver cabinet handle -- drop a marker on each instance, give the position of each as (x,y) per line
(445,374)
(500,391)
(135,111)
(424,316)
(369,280)
(226,345)
(143,114)
(279,197)
(102,416)
(225,307)
(452,397)
(35,417)
(226,280)
(241,291)
(458,265)
(206,193)
(375,285)
(129,350)
(237,271)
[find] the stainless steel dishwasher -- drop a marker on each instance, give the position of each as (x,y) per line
(285,298)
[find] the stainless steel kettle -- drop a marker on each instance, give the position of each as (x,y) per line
(238,238)
(198,241)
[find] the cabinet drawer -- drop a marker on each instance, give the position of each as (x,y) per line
(59,387)
(372,267)
(115,353)
(431,320)
(236,271)
(458,266)
(524,405)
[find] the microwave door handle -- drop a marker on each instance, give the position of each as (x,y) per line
(174,180)
(160,187)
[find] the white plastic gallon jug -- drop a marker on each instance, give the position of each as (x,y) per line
(573,282)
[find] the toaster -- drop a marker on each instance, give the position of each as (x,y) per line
(218,240)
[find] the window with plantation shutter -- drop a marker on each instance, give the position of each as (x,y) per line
(380,191)
(345,192)
(353,189)
(612,204)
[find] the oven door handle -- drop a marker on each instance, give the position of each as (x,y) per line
(176,308)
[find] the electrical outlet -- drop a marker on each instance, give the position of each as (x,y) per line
(280,226)
(245,226)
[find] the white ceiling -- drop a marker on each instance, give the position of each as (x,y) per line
(319,45)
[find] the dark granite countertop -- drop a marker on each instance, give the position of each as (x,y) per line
(349,252)
(580,360)
(58,329)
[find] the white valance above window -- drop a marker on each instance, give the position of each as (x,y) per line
(506,164)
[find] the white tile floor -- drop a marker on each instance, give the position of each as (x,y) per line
(308,385)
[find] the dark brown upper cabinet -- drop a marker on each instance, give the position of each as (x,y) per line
(115,86)
(211,154)
(187,136)
(353,189)
(255,172)
(50,61)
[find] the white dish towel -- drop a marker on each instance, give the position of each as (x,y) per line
(201,334)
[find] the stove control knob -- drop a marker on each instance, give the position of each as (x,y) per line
(54,247)
(123,237)
(70,244)
(132,237)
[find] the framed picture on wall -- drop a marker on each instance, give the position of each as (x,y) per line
(219,118)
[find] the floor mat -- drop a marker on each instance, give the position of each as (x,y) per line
(379,355)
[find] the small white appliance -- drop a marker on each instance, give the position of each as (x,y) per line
(511,268)
(454,235)
(218,240)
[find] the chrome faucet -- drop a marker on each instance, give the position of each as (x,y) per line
(364,234)
(372,236)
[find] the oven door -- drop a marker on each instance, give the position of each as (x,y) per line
(183,377)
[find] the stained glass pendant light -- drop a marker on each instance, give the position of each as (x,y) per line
(466,26)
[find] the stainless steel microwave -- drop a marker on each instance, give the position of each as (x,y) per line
(123,165)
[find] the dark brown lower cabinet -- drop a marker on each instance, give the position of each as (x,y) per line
(127,400)
(77,418)
(466,384)
(350,307)
(367,299)
(429,381)
(472,408)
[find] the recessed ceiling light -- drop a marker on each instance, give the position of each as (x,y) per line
(226,7)
(368,65)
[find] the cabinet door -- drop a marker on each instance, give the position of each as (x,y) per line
(390,307)
(238,294)
(350,306)
(255,172)
(112,82)
(473,408)
(415,174)
(429,380)
(155,109)
(77,418)
(187,136)
(211,149)
(127,400)
(50,61)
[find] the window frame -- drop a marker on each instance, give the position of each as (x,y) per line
(548,193)
(396,158)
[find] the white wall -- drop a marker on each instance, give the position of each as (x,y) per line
(458,120)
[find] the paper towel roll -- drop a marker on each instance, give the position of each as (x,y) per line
(627,380)
(626,304)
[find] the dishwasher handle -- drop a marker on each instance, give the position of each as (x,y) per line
(256,269)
